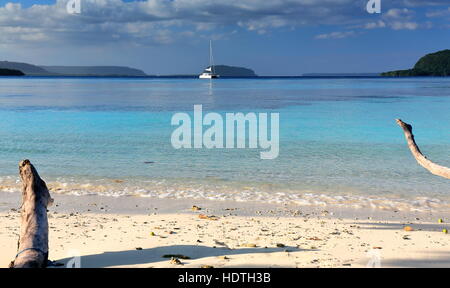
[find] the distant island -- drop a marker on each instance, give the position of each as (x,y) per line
(34,70)
(341,74)
(231,71)
(94,71)
(11,72)
(109,71)
(435,64)
(27,69)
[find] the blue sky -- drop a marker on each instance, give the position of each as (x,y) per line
(276,37)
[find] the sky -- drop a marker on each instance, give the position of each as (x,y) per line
(273,37)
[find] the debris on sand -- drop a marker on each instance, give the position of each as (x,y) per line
(249,245)
(219,243)
(196,208)
(314,239)
(177,256)
(206,217)
(408,229)
(175,261)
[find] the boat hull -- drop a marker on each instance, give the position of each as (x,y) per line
(206,76)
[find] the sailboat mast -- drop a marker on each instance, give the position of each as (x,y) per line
(211,58)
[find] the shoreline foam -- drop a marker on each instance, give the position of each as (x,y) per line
(200,192)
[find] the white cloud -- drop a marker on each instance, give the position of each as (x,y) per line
(398,25)
(161,21)
(396,13)
(156,22)
(402,19)
(438,13)
(377,24)
(418,3)
(336,35)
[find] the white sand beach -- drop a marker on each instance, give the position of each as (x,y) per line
(148,232)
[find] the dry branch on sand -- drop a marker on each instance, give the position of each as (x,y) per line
(421,159)
(33,241)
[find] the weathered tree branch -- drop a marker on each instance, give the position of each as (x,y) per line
(421,159)
(33,242)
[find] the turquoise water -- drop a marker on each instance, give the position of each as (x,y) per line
(339,144)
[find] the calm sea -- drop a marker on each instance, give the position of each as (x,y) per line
(339,143)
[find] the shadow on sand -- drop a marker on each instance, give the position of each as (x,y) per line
(431,260)
(399,226)
(153,255)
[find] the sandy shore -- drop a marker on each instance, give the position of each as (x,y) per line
(145,231)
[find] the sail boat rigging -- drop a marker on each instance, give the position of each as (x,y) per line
(210,73)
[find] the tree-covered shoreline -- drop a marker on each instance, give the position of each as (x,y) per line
(434,64)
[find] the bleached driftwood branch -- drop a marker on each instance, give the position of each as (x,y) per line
(33,241)
(421,159)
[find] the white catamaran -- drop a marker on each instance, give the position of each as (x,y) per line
(210,72)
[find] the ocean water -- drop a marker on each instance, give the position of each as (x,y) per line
(339,143)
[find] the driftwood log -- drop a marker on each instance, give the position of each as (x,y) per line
(33,240)
(421,159)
